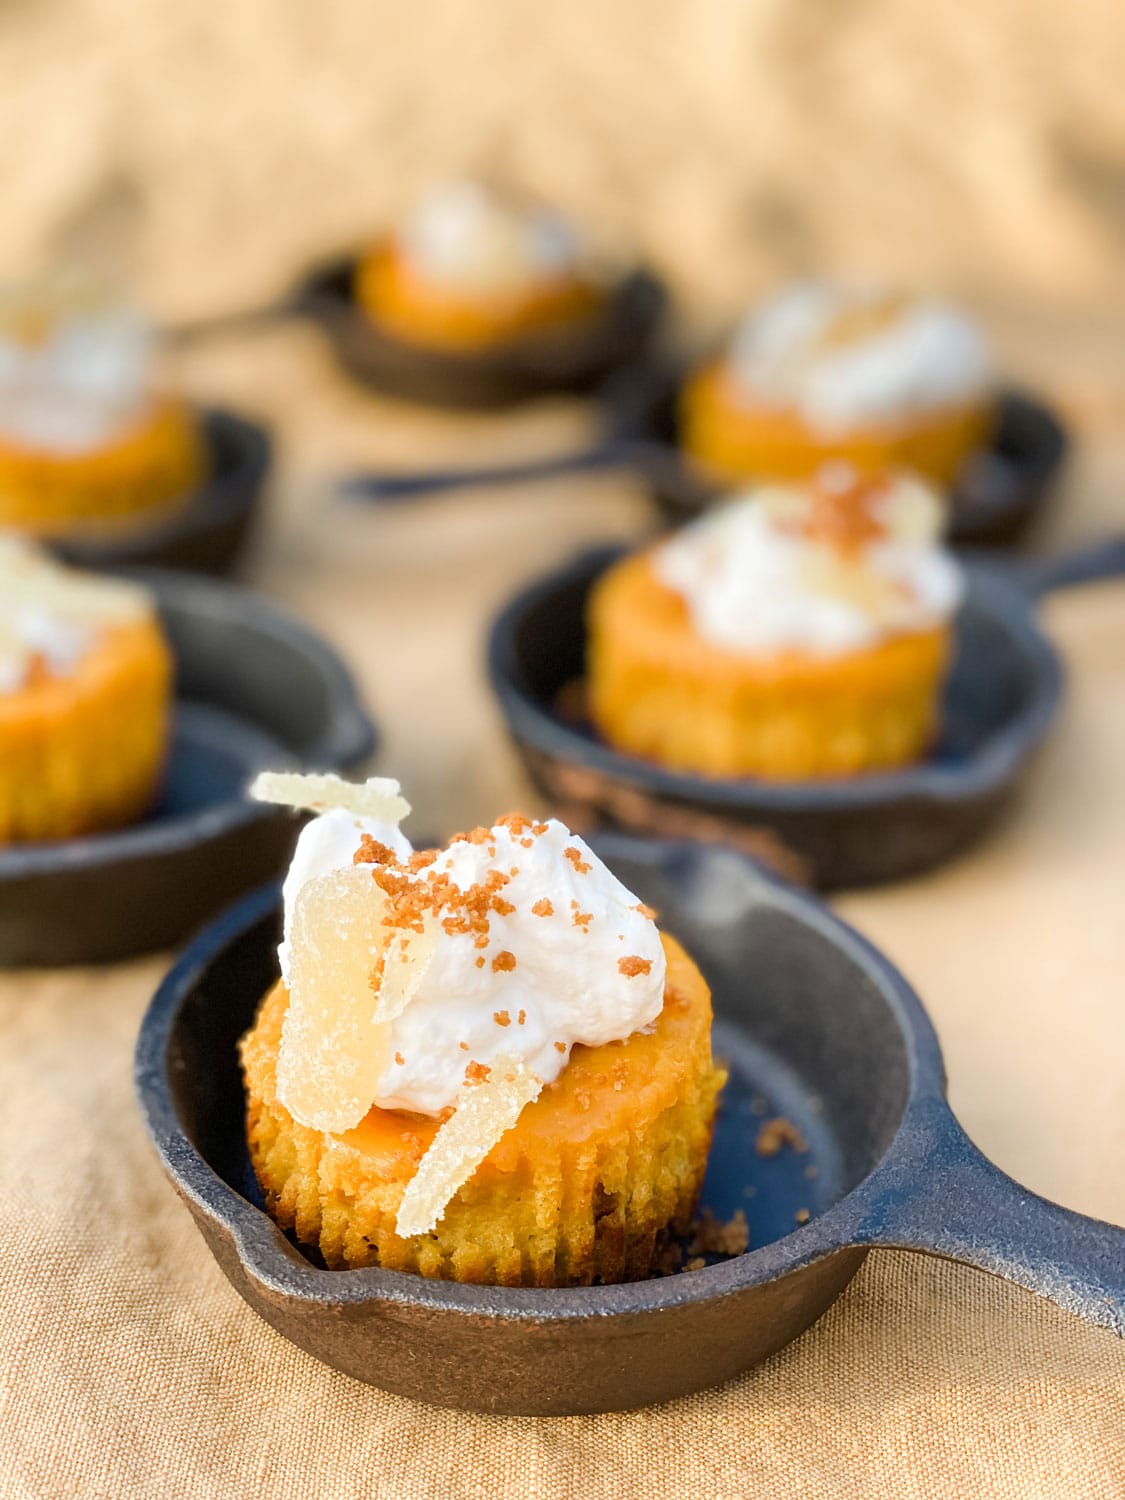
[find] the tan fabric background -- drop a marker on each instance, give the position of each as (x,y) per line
(131,1369)
(206,152)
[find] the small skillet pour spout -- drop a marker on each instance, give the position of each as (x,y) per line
(807,1014)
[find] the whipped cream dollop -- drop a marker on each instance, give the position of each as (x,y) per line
(469,238)
(536,946)
(51,615)
(828,567)
(74,369)
(848,356)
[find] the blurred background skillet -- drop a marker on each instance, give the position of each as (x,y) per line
(1002,693)
(815,1025)
(993,501)
(254,688)
(574,358)
(207,531)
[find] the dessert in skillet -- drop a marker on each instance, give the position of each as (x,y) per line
(830,371)
(471,269)
(481,1063)
(798,631)
(85,682)
(85,436)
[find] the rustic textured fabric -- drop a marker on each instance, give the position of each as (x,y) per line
(129,1368)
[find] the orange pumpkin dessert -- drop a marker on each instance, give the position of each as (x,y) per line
(852,374)
(85,684)
(797,632)
(85,439)
(482,1063)
(471,270)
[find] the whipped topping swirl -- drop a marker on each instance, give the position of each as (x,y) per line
(74,370)
(533,946)
(468,238)
(851,356)
(826,568)
(53,615)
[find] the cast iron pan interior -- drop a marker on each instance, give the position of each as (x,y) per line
(1001,696)
(814,1025)
(568,359)
(207,532)
(255,689)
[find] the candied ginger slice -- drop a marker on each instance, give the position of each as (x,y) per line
(408,957)
(333,1045)
(378,797)
(485,1113)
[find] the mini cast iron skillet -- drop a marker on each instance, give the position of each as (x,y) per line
(995,497)
(255,689)
(573,358)
(1002,694)
(814,1024)
(205,533)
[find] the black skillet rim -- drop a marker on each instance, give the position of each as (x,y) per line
(272,1261)
(229,493)
(349,737)
(991,768)
(637,300)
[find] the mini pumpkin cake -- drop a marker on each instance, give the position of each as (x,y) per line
(798,631)
(481,1063)
(85,437)
(471,269)
(85,683)
(852,373)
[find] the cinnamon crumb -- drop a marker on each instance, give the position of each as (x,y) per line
(575,856)
(504,962)
(773,1134)
(583,919)
(634,965)
(521,1018)
(514,871)
(474,836)
(372,852)
(501,907)
(516,823)
(501,1017)
(714,1237)
(421,859)
(464,1046)
(539,829)
(399,1059)
(526,843)
(480,962)
(477,1073)
(560,1046)
(646,911)
(543,908)
(447,1113)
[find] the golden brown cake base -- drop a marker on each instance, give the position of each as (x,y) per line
(152,465)
(84,752)
(396,299)
(586,1187)
(734,441)
(658,691)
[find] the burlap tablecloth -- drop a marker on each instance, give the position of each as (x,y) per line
(130,1368)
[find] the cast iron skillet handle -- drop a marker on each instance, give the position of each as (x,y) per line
(1093,563)
(382,488)
(238,320)
(953,1202)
